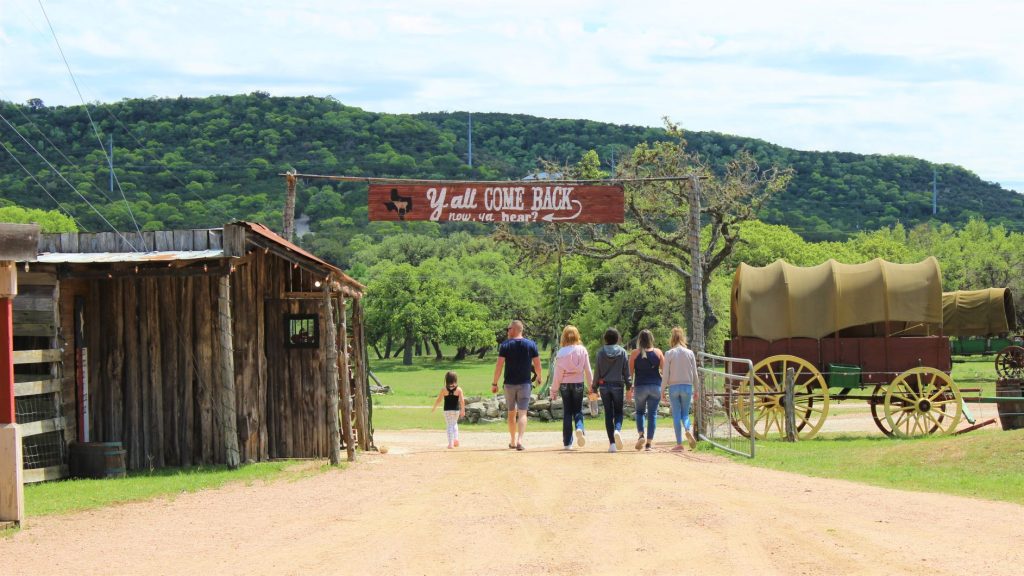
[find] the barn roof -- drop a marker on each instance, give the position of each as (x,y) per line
(785,301)
(186,247)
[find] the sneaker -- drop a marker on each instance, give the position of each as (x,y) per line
(567,448)
(618,440)
(520,447)
(677,448)
(639,443)
(450,446)
(647,448)
(581,438)
(456,443)
(691,440)
(612,448)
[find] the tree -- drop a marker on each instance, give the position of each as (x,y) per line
(657,180)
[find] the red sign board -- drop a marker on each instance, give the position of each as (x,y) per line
(493,202)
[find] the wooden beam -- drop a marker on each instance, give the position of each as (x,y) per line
(36,356)
(37,387)
(44,474)
(37,278)
(35,330)
(221,268)
(19,241)
(41,427)
(333,428)
(228,402)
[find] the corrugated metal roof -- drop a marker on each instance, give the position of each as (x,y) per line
(110,257)
(269,234)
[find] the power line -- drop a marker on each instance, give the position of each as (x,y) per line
(58,172)
(95,130)
(164,166)
(38,183)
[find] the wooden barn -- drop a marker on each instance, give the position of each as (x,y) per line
(187,347)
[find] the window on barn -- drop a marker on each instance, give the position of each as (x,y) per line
(302,331)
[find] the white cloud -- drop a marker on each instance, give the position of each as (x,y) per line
(942,80)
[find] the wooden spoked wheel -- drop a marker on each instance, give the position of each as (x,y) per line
(1010,362)
(922,401)
(768,408)
(878,409)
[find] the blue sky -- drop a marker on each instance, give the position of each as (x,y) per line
(940,80)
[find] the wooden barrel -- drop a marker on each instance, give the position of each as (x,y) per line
(1011,414)
(96,460)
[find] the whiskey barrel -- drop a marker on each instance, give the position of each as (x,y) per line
(96,460)
(1011,414)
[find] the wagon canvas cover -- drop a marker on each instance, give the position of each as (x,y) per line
(985,312)
(786,301)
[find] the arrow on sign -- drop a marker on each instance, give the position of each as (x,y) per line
(551,217)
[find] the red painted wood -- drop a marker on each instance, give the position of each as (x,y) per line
(880,359)
(492,203)
(6,362)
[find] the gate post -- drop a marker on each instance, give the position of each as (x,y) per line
(17,242)
(790,409)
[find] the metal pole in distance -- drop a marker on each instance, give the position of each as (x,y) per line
(790,409)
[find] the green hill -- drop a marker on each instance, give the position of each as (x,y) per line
(184,162)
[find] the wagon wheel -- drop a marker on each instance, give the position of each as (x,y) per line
(1010,362)
(877,403)
(810,395)
(922,401)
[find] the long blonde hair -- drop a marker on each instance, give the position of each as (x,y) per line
(570,336)
(678,337)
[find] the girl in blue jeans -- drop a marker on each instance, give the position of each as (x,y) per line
(680,373)
(645,364)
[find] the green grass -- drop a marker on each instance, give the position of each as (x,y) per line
(73,495)
(418,385)
(984,464)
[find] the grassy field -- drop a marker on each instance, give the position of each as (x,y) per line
(83,494)
(988,463)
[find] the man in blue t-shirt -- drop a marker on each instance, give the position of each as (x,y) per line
(516,355)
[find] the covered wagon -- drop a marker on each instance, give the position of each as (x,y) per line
(871,331)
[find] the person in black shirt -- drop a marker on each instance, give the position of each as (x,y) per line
(516,356)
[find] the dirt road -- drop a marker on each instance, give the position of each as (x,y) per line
(422,509)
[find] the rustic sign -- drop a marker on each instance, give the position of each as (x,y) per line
(491,202)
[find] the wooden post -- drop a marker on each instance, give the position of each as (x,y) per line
(333,441)
(346,384)
(790,408)
(696,268)
(359,351)
(17,242)
(289,205)
(228,417)
(696,291)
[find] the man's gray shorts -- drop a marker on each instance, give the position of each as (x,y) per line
(517,396)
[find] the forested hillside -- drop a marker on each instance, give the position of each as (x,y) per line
(201,161)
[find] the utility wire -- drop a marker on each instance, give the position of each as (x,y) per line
(58,149)
(95,130)
(40,184)
(58,172)
(164,166)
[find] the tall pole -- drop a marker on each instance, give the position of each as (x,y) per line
(697,268)
(289,205)
(111,162)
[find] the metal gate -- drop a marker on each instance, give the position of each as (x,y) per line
(722,392)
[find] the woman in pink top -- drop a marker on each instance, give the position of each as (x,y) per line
(571,371)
